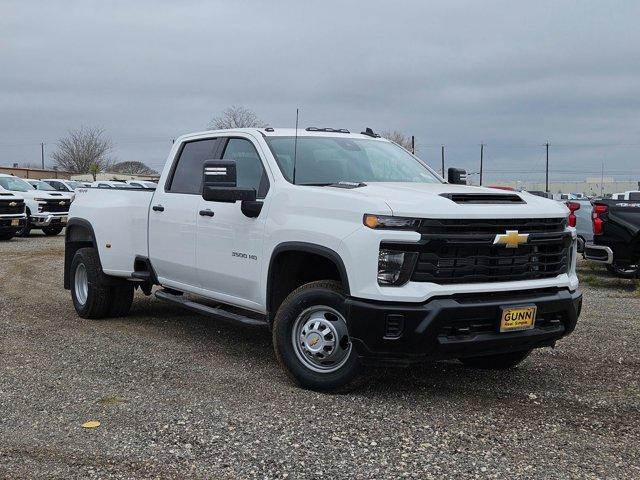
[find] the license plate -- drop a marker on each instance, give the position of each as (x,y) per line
(15,222)
(518,318)
(63,220)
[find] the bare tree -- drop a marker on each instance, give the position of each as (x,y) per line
(398,137)
(236,116)
(132,168)
(84,150)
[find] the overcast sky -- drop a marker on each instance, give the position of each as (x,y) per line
(449,72)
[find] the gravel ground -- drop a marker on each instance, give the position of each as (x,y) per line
(181,396)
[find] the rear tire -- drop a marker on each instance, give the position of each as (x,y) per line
(122,298)
(51,231)
(623,270)
(94,294)
(502,361)
(311,341)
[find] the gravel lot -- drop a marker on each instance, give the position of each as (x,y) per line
(181,396)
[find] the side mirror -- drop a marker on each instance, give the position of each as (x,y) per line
(219,183)
(457,176)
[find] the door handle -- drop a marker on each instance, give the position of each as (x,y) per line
(206,213)
(158,208)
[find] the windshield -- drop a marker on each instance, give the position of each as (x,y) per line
(15,184)
(327,160)
(44,186)
(73,184)
(120,185)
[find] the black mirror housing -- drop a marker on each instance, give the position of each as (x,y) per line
(457,176)
(219,183)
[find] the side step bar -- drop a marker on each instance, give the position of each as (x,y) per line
(217,313)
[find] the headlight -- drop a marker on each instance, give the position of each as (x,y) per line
(394,267)
(390,223)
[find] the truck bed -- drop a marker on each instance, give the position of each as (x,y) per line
(120,219)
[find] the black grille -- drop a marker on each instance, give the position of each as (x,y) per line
(491,226)
(56,206)
(11,207)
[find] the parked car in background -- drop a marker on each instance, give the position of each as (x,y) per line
(63,185)
(12,214)
(581,209)
(44,185)
(616,236)
(142,184)
(109,184)
(540,193)
(46,210)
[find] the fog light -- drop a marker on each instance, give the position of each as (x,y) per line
(394,267)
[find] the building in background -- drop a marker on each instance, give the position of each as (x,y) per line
(34,173)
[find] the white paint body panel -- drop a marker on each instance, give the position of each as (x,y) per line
(195,253)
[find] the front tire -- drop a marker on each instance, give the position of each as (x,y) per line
(502,361)
(51,231)
(94,294)
(26,229)
(624,270)
(311,340)
(7,235)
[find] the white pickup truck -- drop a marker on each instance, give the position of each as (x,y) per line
(349,248)
(12,214)
(45,209)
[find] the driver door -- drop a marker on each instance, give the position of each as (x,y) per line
(229,244)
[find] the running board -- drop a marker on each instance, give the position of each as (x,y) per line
(214,312)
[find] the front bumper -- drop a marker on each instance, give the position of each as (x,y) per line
(598,253)
(12,223)
(45,219)
(457,326)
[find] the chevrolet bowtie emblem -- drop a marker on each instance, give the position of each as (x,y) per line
(511,239)
(63,203)
(13,204)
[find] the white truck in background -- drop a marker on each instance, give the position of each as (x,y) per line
(349,248)
(46,210)
(12,214)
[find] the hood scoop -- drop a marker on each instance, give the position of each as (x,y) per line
(483,198)
(55,194)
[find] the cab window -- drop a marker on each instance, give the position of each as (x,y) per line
(250,171)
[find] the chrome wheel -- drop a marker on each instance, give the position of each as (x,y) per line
(81,284)
(320,339)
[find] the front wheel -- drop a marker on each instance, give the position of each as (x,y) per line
(51,231)
(624,270)
(7,235)
(502,361)
(311,339)
(26,228)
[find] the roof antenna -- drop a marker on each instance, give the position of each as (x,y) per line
(295,149)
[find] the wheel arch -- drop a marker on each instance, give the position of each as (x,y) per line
(327,260)
(79,234)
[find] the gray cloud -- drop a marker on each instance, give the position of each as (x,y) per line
(509,74)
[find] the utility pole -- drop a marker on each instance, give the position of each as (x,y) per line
(442,155)
(42,153)
(602,180)
(547,176)
(481,160)
(413,144)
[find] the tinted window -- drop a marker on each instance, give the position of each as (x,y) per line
(249,167)
(187,176)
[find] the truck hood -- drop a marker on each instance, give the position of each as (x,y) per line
(32,194)
(429,200)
